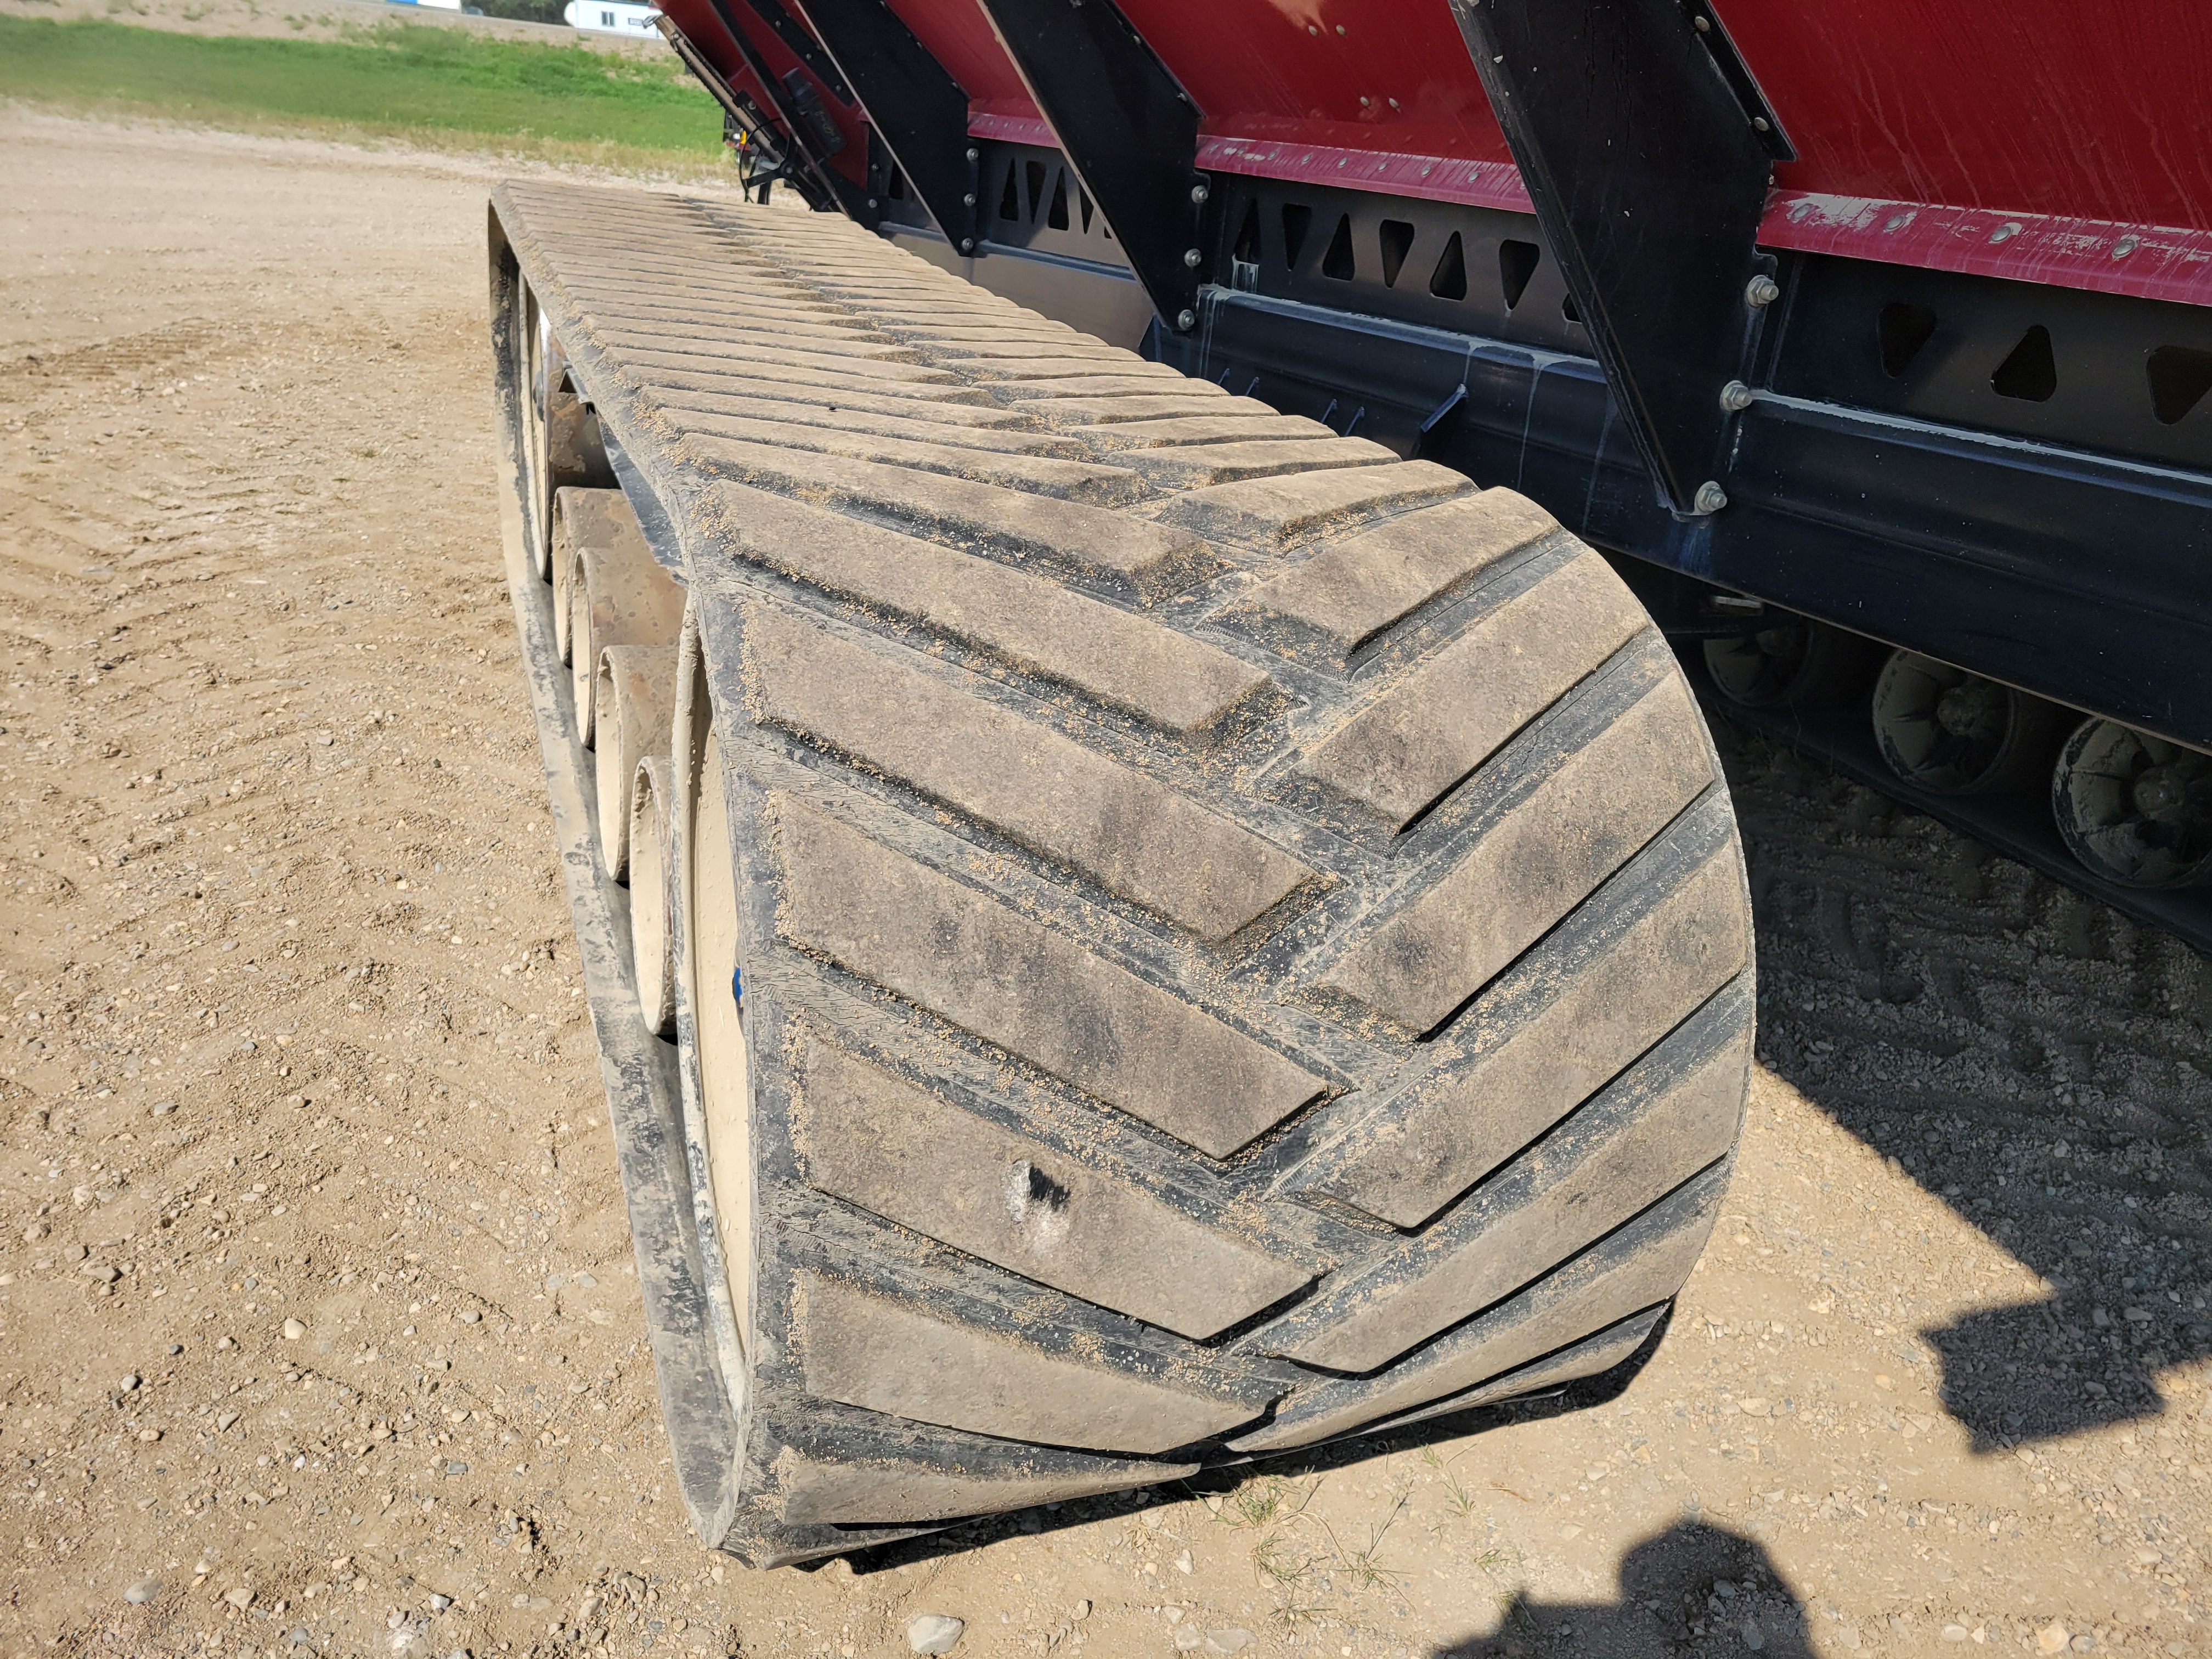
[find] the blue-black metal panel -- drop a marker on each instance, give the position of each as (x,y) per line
(2083,578)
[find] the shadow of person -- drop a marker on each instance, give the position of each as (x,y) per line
(1694,1583)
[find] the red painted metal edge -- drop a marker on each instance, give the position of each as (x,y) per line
(1012,128)
(2152,261)
(1431,178)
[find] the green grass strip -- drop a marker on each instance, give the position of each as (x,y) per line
(397,79)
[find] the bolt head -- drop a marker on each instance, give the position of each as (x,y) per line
(969,199)
(1735,396)
(1197,194)
(873,202)
(1186,320)
(1762,291)
(975,155)
(1711,498)
(1190,257)
(967,245)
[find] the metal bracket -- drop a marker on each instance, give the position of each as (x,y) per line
(805,167)
(1126,127)
(917,109)
(1649,171)
(802,46)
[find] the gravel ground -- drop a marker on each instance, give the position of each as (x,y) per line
(317,1325)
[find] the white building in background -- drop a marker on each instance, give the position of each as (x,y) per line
(611,16)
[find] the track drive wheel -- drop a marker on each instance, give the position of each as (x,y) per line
(1194,938)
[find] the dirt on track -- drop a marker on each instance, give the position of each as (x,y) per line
(293,1042)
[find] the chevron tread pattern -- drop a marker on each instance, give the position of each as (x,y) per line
(1243,936)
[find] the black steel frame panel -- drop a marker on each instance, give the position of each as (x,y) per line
(2084,578)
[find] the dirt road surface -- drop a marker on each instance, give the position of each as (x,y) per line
(318,1325)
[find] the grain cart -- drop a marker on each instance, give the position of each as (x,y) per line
(1122,698)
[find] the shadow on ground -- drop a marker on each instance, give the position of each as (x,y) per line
(2032,1057)
(1694,1583)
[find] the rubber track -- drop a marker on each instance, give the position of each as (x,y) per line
(1243,936)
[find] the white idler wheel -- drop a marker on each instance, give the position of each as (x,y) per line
(710,988)
(1955,733)
(652,868)
(631,703)
(2135,809)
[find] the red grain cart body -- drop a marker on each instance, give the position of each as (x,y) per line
(1884,317)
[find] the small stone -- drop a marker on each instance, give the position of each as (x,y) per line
(1882,1382)
(241,1598)
(294,1330)
(142,1592)
(225,1420)
(1954,1632)
(1228,1641)
(128,1384)
(149,1436)
(456,1468)
(2052,1638)
(1081,1610)
(74,1253)
(439,1603)
(1754,1406)
(1187,1638)
(299,1637)
(1183,1562)
(470,1317)
(35,1232)
(163,1108)
(224,1345)
(1753,1637)
(934,1633)
(106,1271)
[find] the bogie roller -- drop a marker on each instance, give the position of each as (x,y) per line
(2135,809)
(1953,733)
